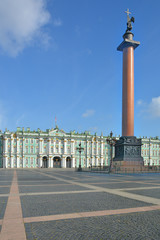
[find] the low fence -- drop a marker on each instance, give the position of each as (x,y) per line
(143,169)
(119,170)
(95,169)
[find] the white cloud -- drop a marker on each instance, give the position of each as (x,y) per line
(88,113)
(21,22)
(57,22)
(154,107)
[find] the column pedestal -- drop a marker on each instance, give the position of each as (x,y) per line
(128,153)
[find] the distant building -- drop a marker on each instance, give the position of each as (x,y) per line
(54,149)
(151,151)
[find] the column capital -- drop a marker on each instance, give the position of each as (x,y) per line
(128,42)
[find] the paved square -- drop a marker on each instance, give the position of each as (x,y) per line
(64,204)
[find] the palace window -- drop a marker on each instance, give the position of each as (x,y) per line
(37,149)
(31,160)
(31,140)
(26,140)
(45,140)
(26,149)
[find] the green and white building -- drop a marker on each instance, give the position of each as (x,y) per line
(52,148)
(55,148)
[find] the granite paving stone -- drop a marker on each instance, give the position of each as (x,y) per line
(123,185)
(46,182)
(5,183)
(145,192)
(29,189)
(78,202)
(135,226)
(4,190)
(3,204)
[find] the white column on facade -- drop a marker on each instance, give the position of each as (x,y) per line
(59,147)
(40,161)
(87,153)
(63,162)
(101,152)
(92,148)
(49,146)
(96,147)
(23,150)
(73,162)
(18,145)
(49,162)
(5,162)
(5,144)
(40,145)
(17,161)
(65,146)
(96,163)
(54,146)
(23,161)
(72,146)
(11,144)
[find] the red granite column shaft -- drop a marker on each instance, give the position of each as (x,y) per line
(128,92)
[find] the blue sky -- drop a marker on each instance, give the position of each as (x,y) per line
(59,58)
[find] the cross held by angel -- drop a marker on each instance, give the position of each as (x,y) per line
(129,21)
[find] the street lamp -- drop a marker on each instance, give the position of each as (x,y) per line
(111,141)
(80,149)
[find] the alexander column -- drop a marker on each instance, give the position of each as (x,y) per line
(128,147)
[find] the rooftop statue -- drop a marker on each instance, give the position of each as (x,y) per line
(129,21)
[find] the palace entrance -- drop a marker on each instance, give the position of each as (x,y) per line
(57,162)
(68,162)
(45,162)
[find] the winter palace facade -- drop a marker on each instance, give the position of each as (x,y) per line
(55,148)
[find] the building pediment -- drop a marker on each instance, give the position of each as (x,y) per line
(57,132)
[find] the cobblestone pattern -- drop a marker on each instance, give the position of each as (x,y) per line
(32,183)
(5,183)
(135,226)
(4,190)
(70,203)
(51,188)
(155,193)
(34,178)
(124,185)
(3,204)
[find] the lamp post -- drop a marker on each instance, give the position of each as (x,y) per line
(111,141)
(80,149)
